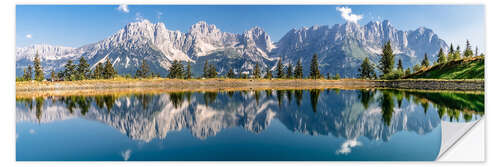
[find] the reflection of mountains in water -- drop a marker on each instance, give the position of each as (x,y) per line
(342,113)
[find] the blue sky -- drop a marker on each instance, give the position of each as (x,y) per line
(77,25)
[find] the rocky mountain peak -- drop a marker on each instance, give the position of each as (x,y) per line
(257,36)
(202,27)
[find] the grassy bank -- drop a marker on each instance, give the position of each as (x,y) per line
(154,85)
(467,68)
(181,84)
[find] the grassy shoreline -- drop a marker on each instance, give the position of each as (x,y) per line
(121,85)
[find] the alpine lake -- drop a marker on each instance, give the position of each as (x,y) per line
(244,125)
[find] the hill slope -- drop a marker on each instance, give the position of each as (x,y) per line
(468,68)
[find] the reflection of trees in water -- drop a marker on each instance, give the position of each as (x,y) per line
(28,102)
(387,106)
(453,100)
(298,96)
(229,93)
(257,96)
(77,102)
(451,104)
(39,106)
(314,94)
(279,96)
(366,97)
(446,104)
(289,96)
(104,101)
(189,94)
(209,97)
(176,99)
(269,93)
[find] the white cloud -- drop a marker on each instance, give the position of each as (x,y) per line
(126,154)
(347,146)
(123,8)
(29,36)
(159,14)
(347,14)
(138,16)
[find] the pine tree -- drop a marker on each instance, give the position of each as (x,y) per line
(69,71)
(176,70)
(83,69)
(280,71)
(269,75)
(314,71)
(366,70)
(109,71)
(38,68)
(468,49)
(477,52)
(60,75)
(425,61)
(205,69)
(407,71)
(386,63)
(416,68)
(337,76)
(27,73)
(212,71)
(188,74)
(298,70)
(400,65)
(256,71)
(441,56)
(289,71)
(457,54)
(231,74)
(451,53)
(143,72)
(98,71)
(53,76)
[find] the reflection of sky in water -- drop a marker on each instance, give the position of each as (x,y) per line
(263,125)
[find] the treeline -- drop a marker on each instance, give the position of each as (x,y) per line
(82,71)
(389,71)
(282,71)
(71,71)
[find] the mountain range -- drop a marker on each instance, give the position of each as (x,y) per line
(340,48)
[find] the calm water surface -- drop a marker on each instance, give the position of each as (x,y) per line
(315,124)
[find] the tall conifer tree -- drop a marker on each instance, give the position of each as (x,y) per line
(280,73)
(441,56)
(386,63)
(400,65)
(298,70)
(468,49)
(314,71)
(38,68)
(425,61)
(256,71)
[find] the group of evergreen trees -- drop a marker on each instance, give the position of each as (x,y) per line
(386,62)
(71,72)
(81,71)
(291,72)
(37,67)
(209,70)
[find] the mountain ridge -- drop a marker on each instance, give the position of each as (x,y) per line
(340,47)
